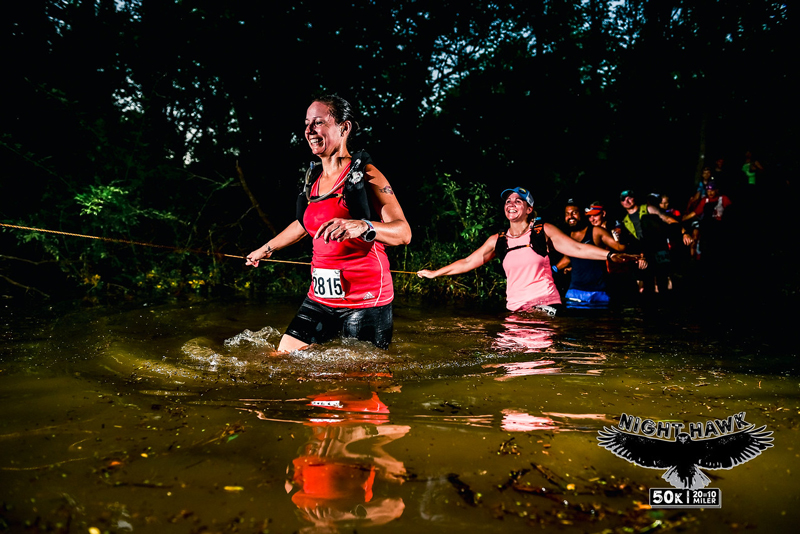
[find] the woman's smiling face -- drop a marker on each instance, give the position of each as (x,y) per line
(516,208)
(322,132)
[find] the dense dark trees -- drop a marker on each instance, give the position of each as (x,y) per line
(128,118)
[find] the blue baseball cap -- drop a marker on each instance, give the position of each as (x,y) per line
(522,192)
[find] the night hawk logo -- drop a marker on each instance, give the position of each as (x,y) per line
(683,457)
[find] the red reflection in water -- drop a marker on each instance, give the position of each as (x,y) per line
(335,475)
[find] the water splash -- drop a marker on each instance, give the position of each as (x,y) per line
(257,339)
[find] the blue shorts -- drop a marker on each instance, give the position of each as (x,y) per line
(317,323)
(586,300)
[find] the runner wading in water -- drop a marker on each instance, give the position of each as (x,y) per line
(523,249)
(350,209)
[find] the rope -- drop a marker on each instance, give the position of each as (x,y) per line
(153,245)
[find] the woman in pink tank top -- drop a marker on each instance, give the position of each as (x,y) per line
(523,249)
(351,289)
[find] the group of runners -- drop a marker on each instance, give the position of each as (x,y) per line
(352,213)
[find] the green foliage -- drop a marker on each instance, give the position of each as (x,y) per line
(127,120)
(98,197)
(460,220)
(116,208)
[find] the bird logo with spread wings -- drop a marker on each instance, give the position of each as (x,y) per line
(683,457)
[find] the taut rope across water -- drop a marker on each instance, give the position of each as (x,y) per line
(154,245)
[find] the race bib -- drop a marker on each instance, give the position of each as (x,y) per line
(327,283)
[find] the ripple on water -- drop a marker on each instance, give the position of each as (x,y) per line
(200,346)
(252,356)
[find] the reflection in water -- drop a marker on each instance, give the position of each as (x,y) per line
(519,421)
(150,386)
(515,369)
(335,474)
(523,332)
(568,363)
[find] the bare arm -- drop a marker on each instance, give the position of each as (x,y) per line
(563,263)
(289,236)
(569,247)
(693,201)
(392,229)
(687,239)
(603,237)
(484,254)
(663,216)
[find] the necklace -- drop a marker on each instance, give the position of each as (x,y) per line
(512,236)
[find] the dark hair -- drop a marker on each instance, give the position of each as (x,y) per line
(341,110)
(654,199)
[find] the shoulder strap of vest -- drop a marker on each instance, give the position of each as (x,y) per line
(313,172)
(538,238)
(501,247)
(538,241)
(355,188)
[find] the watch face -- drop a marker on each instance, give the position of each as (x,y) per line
(370,235)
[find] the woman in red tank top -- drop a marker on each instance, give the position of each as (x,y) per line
(351,288)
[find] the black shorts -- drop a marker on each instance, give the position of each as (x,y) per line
(317,323)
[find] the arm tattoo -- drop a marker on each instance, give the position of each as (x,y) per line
(387,190)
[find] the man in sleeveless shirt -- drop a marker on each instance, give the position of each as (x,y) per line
(588,287)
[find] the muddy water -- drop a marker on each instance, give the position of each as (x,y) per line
(171,418)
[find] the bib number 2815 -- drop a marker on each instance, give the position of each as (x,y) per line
(327,283)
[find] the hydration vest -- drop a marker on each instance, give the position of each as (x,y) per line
(354,190)
(538,241)
(629,223)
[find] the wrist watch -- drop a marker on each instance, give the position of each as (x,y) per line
(370,234)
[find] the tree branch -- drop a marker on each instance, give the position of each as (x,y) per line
(253,200)
(26,288)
